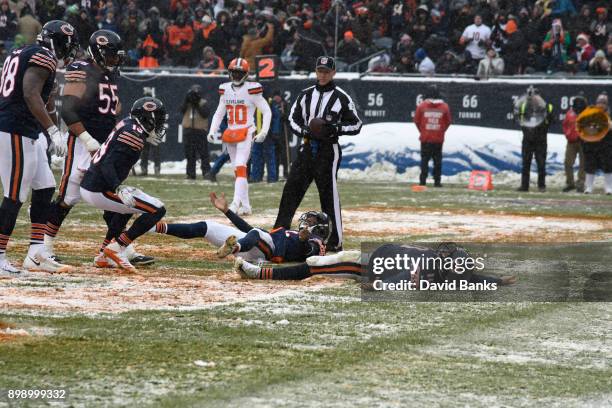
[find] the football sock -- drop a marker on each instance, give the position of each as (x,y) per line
(39,212)
(185,231)
(8,217)
(142,224)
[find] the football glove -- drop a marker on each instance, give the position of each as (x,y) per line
(260,137)
(58,144)
(90,143)
(211,138)
(126,195)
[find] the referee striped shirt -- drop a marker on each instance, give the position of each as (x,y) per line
(329,102)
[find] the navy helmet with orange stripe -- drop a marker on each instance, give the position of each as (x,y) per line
(238,69)
(150,113)
(106,48)
(60,37)
(317,223)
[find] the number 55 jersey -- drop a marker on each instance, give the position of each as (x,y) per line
(97,111)
(98,107)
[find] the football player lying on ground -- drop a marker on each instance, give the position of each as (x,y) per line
(347,264)
(102,184)
(256,244)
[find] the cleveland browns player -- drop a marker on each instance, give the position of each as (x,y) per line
(102,184)
(26,84)
(90,105)
(256,244)
(238,99)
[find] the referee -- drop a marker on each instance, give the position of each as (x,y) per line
(319,159)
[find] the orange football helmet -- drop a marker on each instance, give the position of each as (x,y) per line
(238,71)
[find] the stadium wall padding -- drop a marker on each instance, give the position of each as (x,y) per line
(378,99)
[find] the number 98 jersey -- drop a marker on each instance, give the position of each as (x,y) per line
(15,116)
(98,106)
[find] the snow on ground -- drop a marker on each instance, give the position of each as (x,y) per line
(390,152)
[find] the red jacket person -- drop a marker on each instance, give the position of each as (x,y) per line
(432,118)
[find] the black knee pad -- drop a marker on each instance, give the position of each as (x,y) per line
(159,214)
(41,204)
(10,207)
(42,197)
(200,228)
(9,210)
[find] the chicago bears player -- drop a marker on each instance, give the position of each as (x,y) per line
(110,166)
(90,106)
(238,99)
(26,83)
(256,244)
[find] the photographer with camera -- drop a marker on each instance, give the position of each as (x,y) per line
(476,38)
(195,113)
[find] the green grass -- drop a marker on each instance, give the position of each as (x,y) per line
(322,348)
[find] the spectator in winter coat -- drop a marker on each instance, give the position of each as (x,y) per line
(180,42)
(584,51)
(599,65)
(254,43)
(601,28)
(432,118)
(405,64)
(110,22)
(491,65)
(8,22)
(361,27)
(211,62)
(514,49)
(29,27)
(476,37)
(425,65)
(210,35)
(149,58)
(533,62)
(555,46)
(448,64)
(349,49)
(574,146)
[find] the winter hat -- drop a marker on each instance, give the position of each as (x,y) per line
(582,36)
(348,35)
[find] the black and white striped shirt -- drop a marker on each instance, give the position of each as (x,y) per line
(329,102)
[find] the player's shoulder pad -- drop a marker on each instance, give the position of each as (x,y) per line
(254,88)
(77,71)
(42,57)
(131,134)
(223,87)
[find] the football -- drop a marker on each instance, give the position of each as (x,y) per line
(317,127)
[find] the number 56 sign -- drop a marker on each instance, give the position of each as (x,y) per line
(266,67)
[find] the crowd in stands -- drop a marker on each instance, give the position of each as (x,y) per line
(473,37)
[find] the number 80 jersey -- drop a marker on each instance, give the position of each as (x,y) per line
(98,106)
(15,116)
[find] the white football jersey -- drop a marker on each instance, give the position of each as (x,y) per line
(240,104)
(474,34)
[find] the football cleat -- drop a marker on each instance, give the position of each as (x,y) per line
(245,210)
(230,246)
(117,254)
(102,261)
(7,267)
(246,269)
(137,258)
(42,261)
